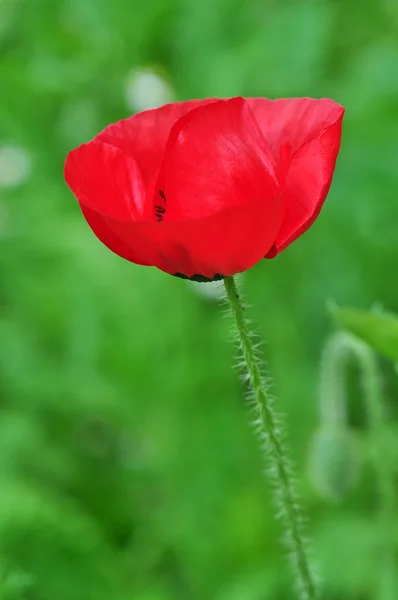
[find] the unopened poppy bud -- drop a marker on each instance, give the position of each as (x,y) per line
(333,462)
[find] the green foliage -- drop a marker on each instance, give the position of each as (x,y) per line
(48,545)
(378,328)
(127,469)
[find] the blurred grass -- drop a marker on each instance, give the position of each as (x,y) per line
(127,468)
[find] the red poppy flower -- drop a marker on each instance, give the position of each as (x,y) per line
(207,188)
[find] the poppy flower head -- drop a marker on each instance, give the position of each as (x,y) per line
(207,188)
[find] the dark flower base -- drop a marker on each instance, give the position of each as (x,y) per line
(201,278)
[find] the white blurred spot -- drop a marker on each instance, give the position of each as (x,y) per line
(214,290)
(15,166)
(146,89)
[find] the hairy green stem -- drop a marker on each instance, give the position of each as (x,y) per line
(340,347)
(270,432)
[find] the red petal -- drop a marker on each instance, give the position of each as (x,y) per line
(215,158)
(108,186)
(293,121)
(105,180)
(221,201)
(307,184)
(310,131)
(144,135)
(227,242)
(105,232)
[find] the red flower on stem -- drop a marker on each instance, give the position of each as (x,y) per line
(207,188)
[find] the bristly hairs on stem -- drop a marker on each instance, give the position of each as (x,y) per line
(269,430)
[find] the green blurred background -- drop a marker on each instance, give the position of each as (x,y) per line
(128,469)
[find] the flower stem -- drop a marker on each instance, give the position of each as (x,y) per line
(384,469)
(339,349)
(270,432)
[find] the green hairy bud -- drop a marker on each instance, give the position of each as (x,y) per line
(333,462)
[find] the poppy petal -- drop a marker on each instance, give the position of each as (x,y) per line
(293,121)
(104,179)
(103,229)
(143,136)
(215,158)
(221,203)
(308,181)
(208,187)
(226,242)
